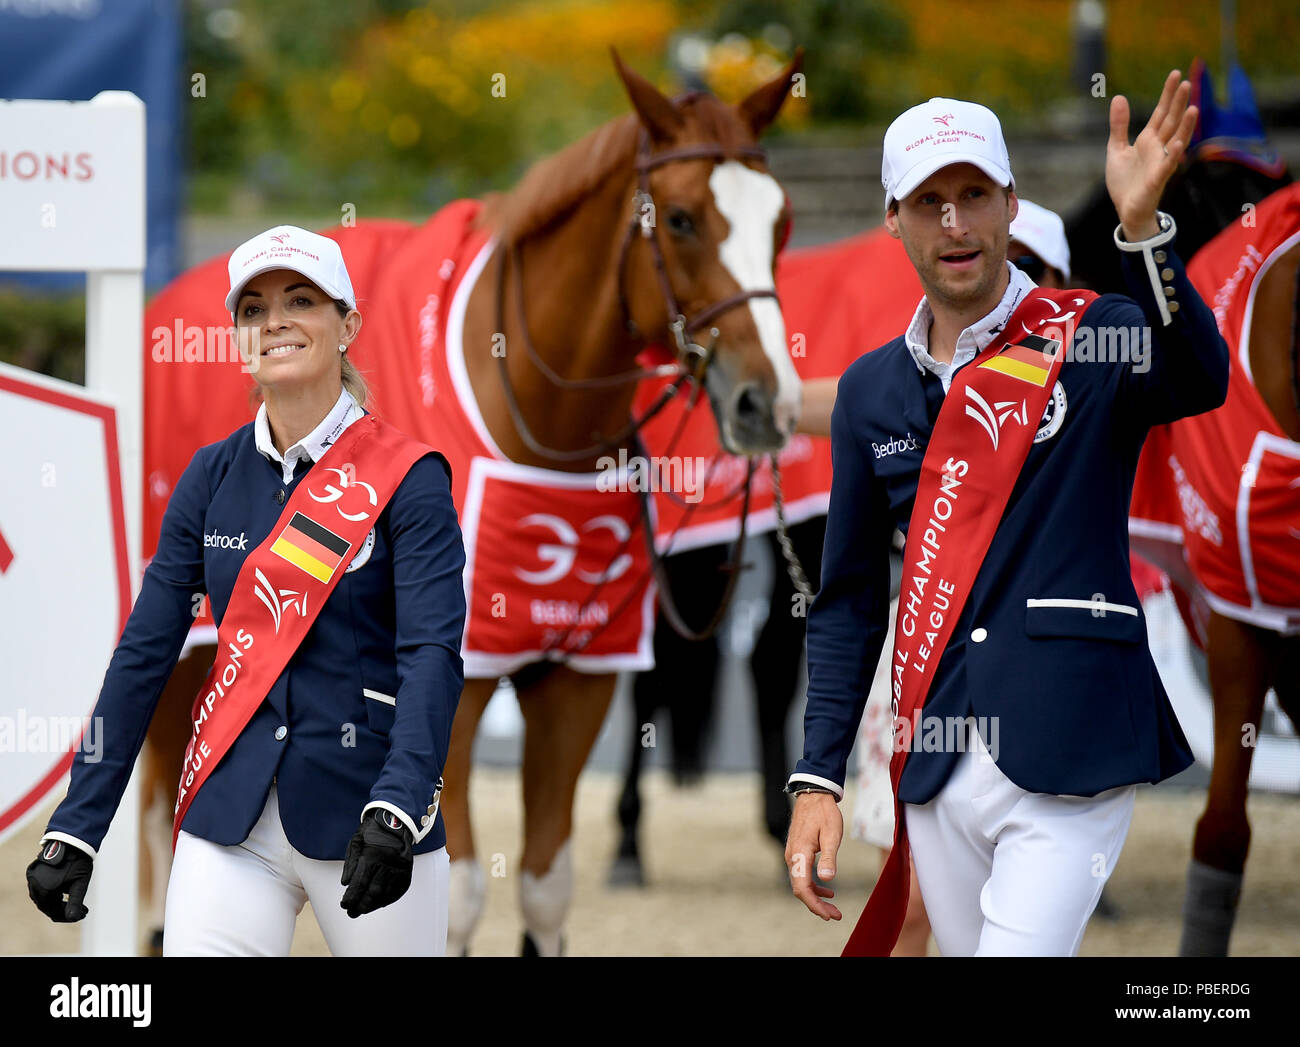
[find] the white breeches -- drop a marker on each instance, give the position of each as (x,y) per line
(244,900)
(1005,872)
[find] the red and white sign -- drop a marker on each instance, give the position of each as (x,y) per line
(64,581)
(72,183)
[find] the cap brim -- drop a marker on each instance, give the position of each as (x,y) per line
(232,298)
(915,176)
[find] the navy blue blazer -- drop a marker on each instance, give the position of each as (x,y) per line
(1073,695)
(363,711)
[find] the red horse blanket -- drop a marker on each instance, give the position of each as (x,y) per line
(1222,490)
(554,564)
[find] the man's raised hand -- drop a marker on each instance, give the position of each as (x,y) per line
(1136,174)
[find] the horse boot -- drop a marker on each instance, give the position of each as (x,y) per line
(544,901)
(467,888)
(1209,910)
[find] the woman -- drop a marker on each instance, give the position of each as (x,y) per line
(328,544)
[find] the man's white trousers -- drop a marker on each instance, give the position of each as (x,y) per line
(1005,872)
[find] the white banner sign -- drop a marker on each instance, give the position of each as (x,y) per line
(72,190)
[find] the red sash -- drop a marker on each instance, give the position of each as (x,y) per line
(981,439)
(284,583)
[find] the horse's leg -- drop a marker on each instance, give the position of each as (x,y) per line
(162,758)
(683,680)
(1287,681)
(774,665)
(687,670)
(155,839)
(468,884)
(563,711)
(626,871)
(1243,661)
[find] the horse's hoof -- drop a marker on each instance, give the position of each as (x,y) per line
(155,943)
(626,872)
(529,947)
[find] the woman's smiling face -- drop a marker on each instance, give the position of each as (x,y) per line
(292,330)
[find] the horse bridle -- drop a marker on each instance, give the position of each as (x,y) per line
(691,360)
(689,353)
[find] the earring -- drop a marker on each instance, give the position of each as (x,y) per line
(343,348)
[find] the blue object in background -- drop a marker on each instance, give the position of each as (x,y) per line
(73,49)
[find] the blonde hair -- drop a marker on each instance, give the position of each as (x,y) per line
(353,382)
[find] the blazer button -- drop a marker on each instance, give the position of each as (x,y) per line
(279,497)
(1166,274)
(281,733)
(432,808)
(1159,256)
(979,635)
(1173,307)
(424,820)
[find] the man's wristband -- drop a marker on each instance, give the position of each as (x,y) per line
(799,788)
(1167,231)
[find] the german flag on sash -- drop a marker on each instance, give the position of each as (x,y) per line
(1029,362)
(310,547)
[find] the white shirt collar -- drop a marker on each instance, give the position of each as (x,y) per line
(972,340)
(344,412)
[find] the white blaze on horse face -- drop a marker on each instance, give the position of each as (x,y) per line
(751,201)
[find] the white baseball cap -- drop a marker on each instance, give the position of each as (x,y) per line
(937,133)
(317,257)
(1043,232)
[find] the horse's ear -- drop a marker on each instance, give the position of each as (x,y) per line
(658,115)
(761,107)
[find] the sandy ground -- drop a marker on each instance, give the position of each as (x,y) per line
(717,884)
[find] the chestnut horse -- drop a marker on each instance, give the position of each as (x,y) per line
(657,229)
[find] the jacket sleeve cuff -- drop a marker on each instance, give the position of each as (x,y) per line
(418,833)
(81,845)
(1147,248)
(812,779)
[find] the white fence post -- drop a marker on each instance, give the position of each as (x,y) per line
(75,201)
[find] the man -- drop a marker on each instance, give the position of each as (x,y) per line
(1018,622)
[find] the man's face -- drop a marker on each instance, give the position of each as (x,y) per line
(954,227)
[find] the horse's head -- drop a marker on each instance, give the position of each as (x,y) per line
(1229,165)
(710,219)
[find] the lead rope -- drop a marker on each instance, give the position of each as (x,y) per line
(792,564)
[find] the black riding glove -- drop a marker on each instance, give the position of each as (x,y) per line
(60,869)
(377,870)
